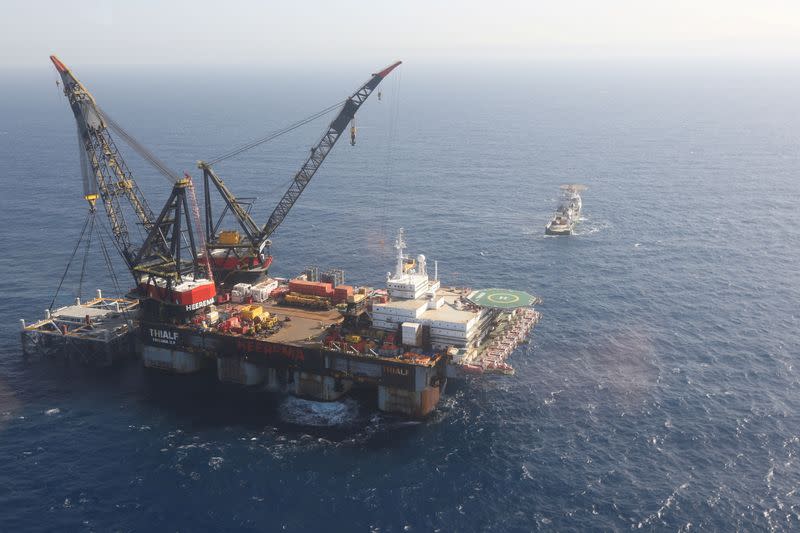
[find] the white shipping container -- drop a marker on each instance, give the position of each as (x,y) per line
(268,284)
(242,288)
(412,333)
(259,295)
(261,291)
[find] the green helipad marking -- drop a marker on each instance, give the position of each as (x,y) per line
(501,298)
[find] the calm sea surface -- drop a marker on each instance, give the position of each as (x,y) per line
(661,391)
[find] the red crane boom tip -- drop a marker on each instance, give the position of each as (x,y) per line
(59,65)
(385,72)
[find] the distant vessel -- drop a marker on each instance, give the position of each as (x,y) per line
(568,212)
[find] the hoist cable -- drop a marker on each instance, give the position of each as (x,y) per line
(274,134)
(74,251)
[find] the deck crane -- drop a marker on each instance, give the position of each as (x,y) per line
(166,266)
(247,254)
(102,162)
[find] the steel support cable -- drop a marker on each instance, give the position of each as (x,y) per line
(140,149)
(201,237)
(110,266)
(275,134)
(113,241)
(74,251)
(86,254)
(107,257)
(394,114)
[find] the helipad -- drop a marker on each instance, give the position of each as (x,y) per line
(501,298)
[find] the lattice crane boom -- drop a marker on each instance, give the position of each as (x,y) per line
(247,252)
(111,176)
(320,152)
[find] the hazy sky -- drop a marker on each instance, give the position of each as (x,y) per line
(264,32)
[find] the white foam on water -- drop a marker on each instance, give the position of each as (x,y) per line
(590,227)
(526,474)
(215,463)
(51,412)
(665,506)
(319,414)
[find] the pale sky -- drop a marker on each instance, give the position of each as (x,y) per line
(216,32)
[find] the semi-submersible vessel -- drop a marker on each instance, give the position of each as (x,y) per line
(203,296)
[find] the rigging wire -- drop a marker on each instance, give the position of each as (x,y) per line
(110,266)
(394,114)
(107,257)
(139,148)
(86,254)
(146,154)
(275,134)
(200,234)
(114,242)
(89,228)
(74,251)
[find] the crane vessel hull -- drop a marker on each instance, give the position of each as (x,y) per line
(403,348)
(403,342)
(203,297)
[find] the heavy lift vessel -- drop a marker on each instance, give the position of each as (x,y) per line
(203,296)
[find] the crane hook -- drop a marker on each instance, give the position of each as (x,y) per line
(353,132)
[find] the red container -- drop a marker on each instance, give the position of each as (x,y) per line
(341,292)
(198,294)
(234,263)
(190,297)
(280,291)
(311,288)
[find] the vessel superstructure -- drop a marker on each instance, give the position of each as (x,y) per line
(568,212)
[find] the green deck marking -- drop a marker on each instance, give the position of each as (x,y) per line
(501,298)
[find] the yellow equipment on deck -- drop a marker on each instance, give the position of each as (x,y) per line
(355,298)
(307,300)
(251,312)
(229,237)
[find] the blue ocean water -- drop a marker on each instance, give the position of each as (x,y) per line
(659,392)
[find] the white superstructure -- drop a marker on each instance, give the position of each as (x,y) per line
(409,283)
(418,306)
